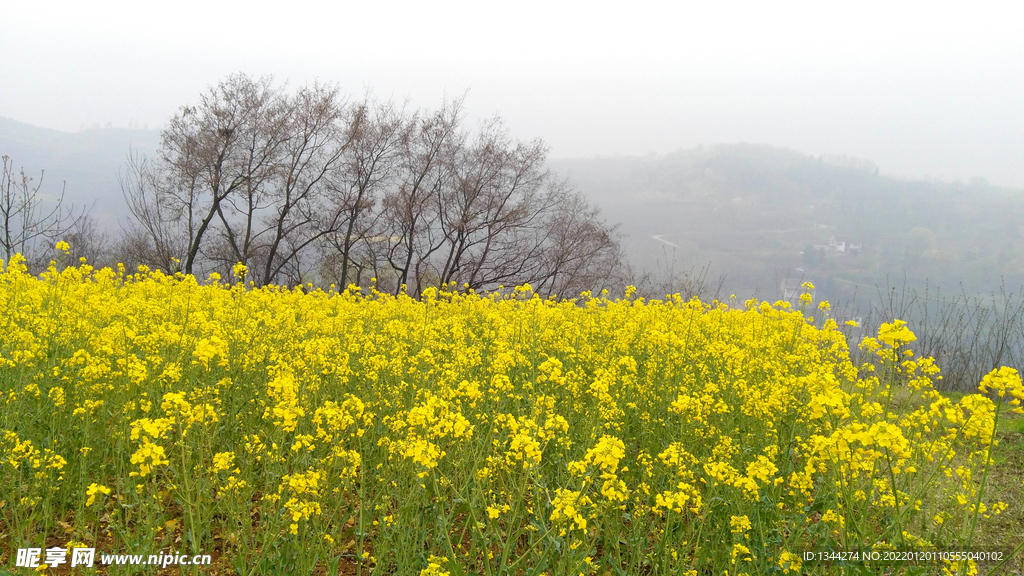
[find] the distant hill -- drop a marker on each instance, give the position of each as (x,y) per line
(760,214)
(757,214)
(87,161)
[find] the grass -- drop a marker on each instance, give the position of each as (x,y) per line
(1006,484)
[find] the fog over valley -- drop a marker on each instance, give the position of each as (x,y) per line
(855,146)
(748,215)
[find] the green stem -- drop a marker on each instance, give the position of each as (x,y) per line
(984,478)
(362,504)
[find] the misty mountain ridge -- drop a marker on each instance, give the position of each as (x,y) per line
(87,162)
(759,214)
(754,213)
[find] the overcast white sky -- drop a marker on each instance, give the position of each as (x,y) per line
(921,89)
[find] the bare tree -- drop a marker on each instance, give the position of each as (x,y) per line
(215,161)
(411,210)
(247,175)
(581,252)
(376,133)
(29,222)
(280,231)
(254,145)
(490,215)
(483,212)
(306,187)
(86,239)
(157,234)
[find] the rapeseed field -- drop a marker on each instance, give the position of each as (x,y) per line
(300,431)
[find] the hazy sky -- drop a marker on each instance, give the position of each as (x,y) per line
(921,89)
